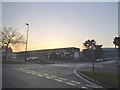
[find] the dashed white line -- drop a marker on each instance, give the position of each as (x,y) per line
(75,82)
(58,80)
(48,77)
(91,86)
(40,75)
(33,73)
(62,78)
(84,87)
(45,74)
(28,72)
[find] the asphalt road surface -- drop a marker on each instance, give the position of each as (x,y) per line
(61,75)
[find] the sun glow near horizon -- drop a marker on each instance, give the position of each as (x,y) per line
(62,24)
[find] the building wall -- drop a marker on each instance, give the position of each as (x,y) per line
(110,52)
(59,53)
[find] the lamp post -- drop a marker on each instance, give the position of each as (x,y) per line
(26,41)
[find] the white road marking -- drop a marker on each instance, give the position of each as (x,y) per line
(58,80)
(70,83)
(83,87)
(45,74)
(28,72)
(86,80)
(62,78)
(76,82)
(91,86)
(48,77)
(40,75)
(33,73)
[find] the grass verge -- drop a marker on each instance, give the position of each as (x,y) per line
(104,78)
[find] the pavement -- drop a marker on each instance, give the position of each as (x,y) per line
(59,75)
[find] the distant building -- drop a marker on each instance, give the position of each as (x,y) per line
(110,52)
(58,53)
(9,52)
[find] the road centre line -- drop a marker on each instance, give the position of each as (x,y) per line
(58,80)
(75,82)
(45,74)
(40,75)
(48,77)
(28,72)
(84,87)
(62,78)
(91,86)
(33,73)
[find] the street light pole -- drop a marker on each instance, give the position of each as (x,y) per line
(26,41)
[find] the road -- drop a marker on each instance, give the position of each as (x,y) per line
(61,75)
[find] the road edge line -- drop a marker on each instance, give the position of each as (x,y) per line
(86,79)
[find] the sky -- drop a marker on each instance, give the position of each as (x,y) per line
(62,24)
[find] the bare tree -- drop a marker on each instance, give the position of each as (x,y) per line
(10,36)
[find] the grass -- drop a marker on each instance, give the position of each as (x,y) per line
(104,78)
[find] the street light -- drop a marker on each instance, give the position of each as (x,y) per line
(26,41)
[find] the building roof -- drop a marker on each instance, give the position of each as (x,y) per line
(109,49)
(53,49)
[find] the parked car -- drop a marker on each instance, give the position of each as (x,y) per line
(99,60)
(32,58)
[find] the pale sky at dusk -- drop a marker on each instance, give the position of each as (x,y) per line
(63,24)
